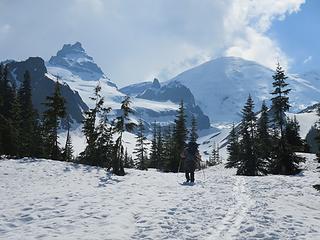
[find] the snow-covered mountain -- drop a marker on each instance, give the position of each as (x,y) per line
(77,69)
(173,92)
(43,84)
(76,60)
(221,87)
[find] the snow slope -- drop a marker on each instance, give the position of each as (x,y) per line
(42,199)
(221,87)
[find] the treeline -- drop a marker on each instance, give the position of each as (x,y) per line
(23,132)
(168,142)
(267,143)
(105,146)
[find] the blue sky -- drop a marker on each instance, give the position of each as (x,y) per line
(298,35)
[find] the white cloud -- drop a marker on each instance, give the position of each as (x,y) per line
(308,59)
(247,23)
(136,40)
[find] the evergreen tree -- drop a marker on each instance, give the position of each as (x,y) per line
(214,158)
(121,124)
(168,150)
(233,149)
(293,138)
(280,101)
(160,150)
(141,150)
(14,124)
(127,160)
(193,133)
(263,136)
(105,144)
(67,154)
(180,137)
(248,162)
(28,114)
(8,132)
(52,116)
(154,148)
(285,160)
(99,137)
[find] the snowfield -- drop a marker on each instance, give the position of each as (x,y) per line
(43,199)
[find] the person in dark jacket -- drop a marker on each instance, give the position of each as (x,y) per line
(191,159)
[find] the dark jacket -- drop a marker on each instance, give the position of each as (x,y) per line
(191,161)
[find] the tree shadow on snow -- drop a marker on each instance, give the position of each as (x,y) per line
(107,180)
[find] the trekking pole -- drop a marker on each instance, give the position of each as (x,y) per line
(178,169)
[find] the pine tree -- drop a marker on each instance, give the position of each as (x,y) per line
(105,144)
(248,164)
(28,114)
(263,137)
(293,138)
(67,154)
(193,133)
(154,150)
(160,150)
(141,150)
(121,124)
(280,101)
(127,160)
(56,110)
(180,137)
(285,160)
(15,122)
(99,137)
(233,149)
(168,150)
(8,129)
(214,158)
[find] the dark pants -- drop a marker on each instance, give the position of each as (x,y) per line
(190,176)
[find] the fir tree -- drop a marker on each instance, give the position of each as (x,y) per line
(28,114)
(127,160)
(15,121)
(67,154)
(121,124)
(52,116)
(105,144)
(248,162)
(180,137)
(141,150)
(293,138)
(193,133)
(154,151)
(99,137)
(168,150)
(285,160)
(8,129)
(280,101)
(233,149)
(159,150)
(214,158)
(263,137)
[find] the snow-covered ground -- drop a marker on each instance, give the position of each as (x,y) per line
(42,199)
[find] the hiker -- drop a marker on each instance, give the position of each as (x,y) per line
(191,159)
